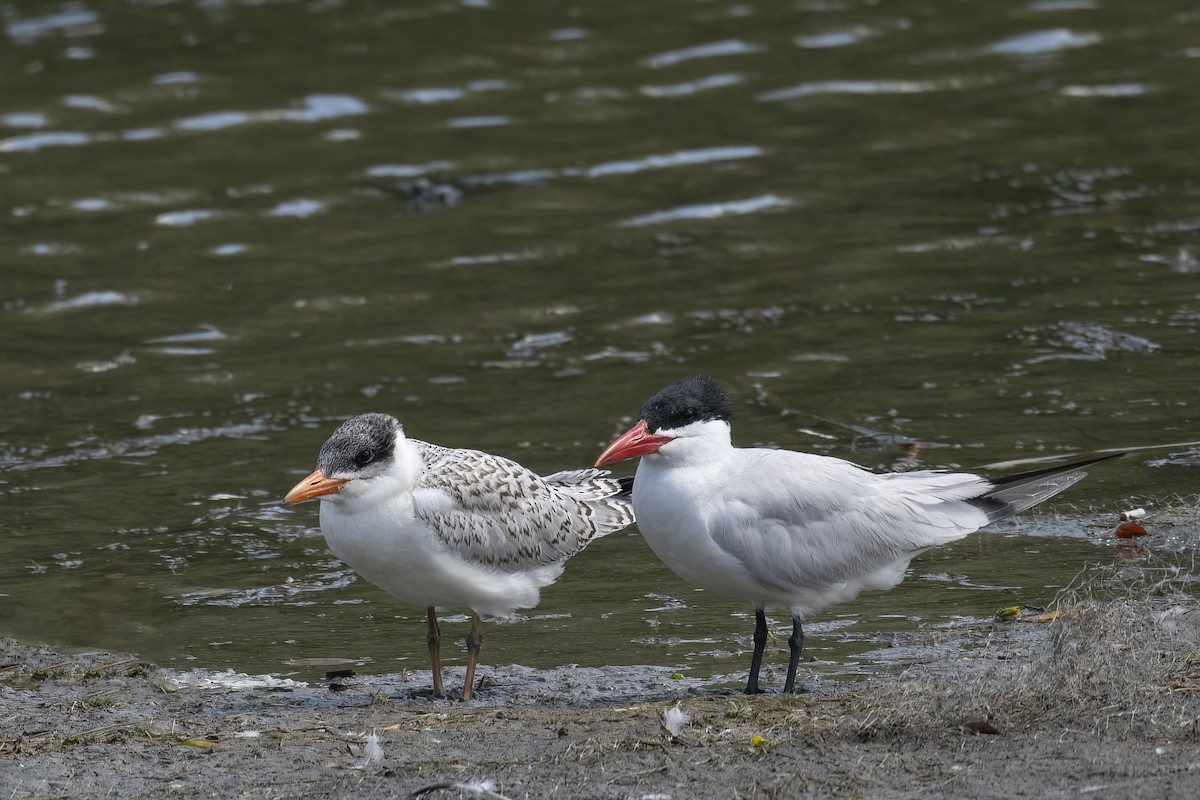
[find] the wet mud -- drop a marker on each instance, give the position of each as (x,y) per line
(1001,709)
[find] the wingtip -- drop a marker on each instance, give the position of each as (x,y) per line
(626,490)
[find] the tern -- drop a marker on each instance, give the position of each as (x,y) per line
(444,528)
(789,530)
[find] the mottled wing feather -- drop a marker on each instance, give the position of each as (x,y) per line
(585,484)
(492,510)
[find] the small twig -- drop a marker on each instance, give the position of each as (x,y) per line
(74,737)
(640,773)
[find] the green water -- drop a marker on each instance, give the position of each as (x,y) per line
(970,225)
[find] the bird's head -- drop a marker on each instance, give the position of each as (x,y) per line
(359,453)
(694,408)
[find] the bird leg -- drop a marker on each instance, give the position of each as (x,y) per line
(474,642)
(795,645)
(434,639)
(760,642)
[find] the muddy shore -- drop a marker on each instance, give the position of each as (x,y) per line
(1101,702)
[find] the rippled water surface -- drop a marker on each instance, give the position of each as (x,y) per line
(227,226)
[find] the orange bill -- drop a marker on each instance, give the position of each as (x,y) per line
(637,441)
(315,485)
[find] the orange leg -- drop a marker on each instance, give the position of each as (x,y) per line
(474,642)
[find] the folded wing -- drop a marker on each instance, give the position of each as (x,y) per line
(494,511)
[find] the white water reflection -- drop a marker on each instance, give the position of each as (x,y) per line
(728,47)
(75,19)
(176,78)
(408,170)
(316,108)
(850,87)
(522,177)
(51,248)
(213,121)
(207,333)
(692,87)
(142,134)
(710,210)
(106,365)
(428,96)
(530,343)
(527,177)
(321,107)
(433,95)
(833,39)
(489,258)
(184,218)
(91,102)
(91,204)
(1041,42)
(491,121)
(1110,90)
(298,209)
(91,300)
(679,158)
(36,141)
(25,119)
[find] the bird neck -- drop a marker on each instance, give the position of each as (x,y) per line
(408,464)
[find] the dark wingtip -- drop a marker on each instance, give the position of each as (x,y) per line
(1012,494)
(626,485)
(1068,465)
(996,510)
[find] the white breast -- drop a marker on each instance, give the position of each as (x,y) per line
(674,507)
(395,551)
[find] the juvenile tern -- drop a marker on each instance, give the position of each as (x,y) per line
(445,528)
(792,530)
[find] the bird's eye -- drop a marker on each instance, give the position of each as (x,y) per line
(364,457)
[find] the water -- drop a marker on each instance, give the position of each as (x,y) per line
(228,226)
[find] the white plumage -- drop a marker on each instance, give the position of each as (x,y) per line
(447,528)
(788,530)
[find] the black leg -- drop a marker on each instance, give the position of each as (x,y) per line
(760,642)
(795,645)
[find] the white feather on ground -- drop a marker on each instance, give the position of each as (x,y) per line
(484,787)
(675,719)
(372,752)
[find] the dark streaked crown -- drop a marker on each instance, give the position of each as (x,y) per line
(362,446)
(694,399)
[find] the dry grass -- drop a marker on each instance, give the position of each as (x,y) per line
(1121,659)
